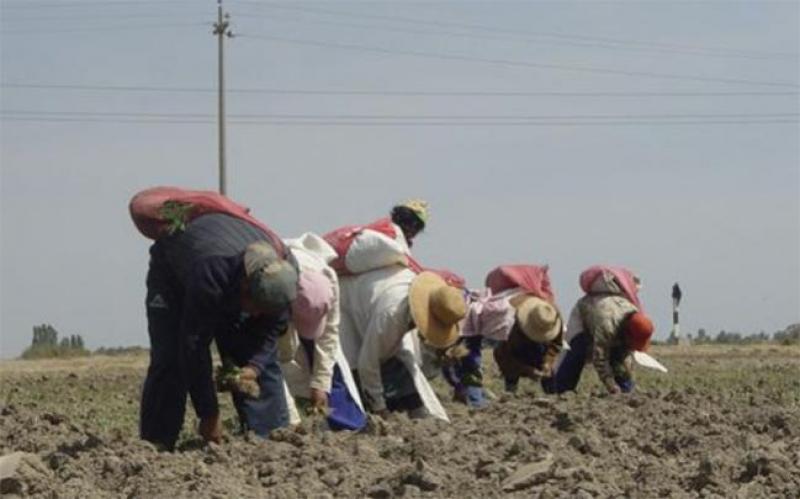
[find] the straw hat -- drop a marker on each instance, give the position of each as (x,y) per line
(436,309)
(538,319)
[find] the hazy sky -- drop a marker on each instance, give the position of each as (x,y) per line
(582,143)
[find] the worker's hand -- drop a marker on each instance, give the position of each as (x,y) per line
(248,372)
(319,399)
(539,374)
(210,429)
(613,389)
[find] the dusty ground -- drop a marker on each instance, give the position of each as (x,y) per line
(724,423)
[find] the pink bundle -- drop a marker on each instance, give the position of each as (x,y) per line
(147,211)
(532,279)
(623,278)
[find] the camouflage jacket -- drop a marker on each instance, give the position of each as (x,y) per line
(602,316)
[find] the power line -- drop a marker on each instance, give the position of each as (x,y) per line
(390,93)
(404,123)
(29,5)
(98,16)
(398,117)
(515,63)
(101,28)
(565,41)
(561,36)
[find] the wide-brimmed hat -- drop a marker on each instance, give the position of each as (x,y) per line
(437,309)
(311,306)
(272,280)
(538,319)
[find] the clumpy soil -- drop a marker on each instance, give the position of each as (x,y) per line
(704,432)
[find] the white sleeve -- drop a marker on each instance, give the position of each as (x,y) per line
(575,324)
(326,346)
(389,323)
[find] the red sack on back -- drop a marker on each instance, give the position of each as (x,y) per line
(624,278)
(451,278)
(367,247)
(149,210)
(532,279)
(348,241)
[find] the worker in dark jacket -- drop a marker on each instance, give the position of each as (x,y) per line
(219,278)
(533,344)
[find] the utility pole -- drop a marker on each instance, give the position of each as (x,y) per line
(221,30)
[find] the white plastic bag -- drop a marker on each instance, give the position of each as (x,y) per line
(372,250)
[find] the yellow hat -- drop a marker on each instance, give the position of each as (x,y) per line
(538,319)
(437,309)
(419,207)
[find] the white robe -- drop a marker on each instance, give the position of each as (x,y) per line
(313,254)
(375,323)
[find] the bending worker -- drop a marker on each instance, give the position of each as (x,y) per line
(217,277)
(606,327)
(316,371)
(380,311)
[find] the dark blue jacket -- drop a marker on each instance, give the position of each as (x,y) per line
(207,264)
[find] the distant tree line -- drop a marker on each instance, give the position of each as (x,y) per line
(789,336)
(45,344)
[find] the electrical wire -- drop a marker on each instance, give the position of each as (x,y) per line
(391,93)
(514,63)
(244,16)
(561,36)
(102,28)
(408,117)
(404,123)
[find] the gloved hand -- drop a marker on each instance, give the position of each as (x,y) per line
(475,397)
(210,429)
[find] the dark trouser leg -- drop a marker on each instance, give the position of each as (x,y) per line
(267,412)
(625,384)
(398,387)
(569,372)
(164,394)
(511,384)
(470,365)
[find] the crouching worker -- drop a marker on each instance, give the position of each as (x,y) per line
(533,344)
(380,310)
(213,275)
(316,371)
(607,328)
(490,318)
